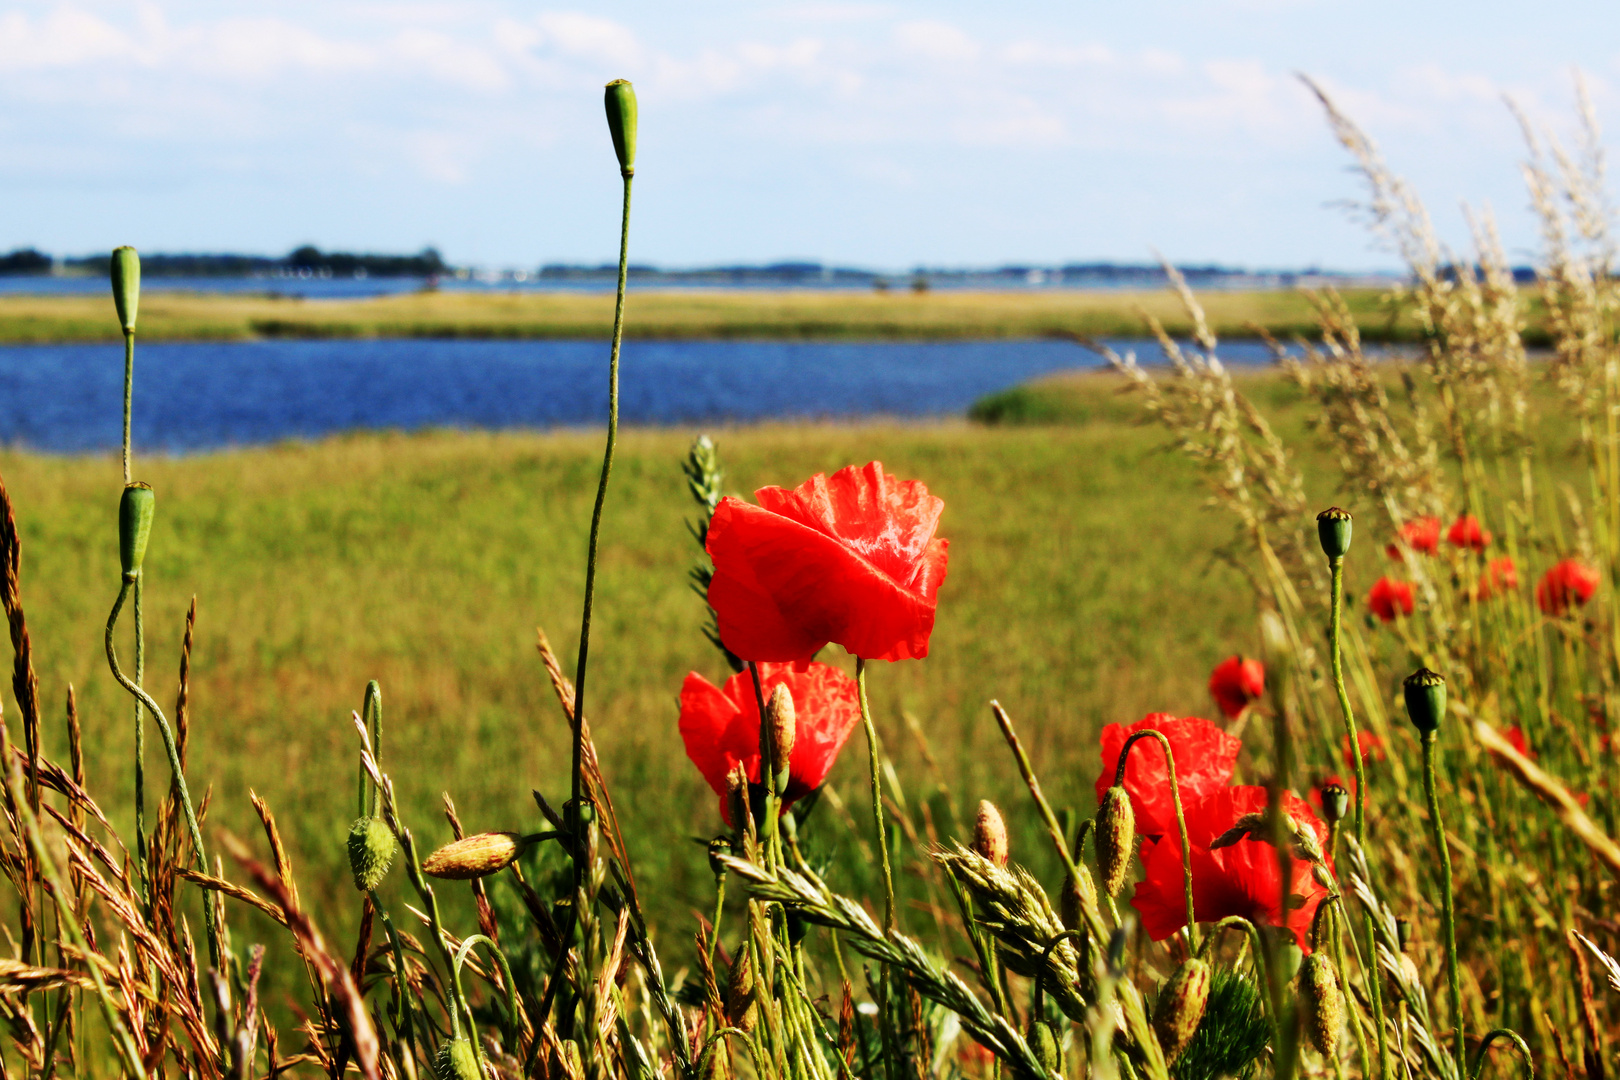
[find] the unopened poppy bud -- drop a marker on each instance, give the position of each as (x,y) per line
(371,852)
(719,846)
(797,927)
(1333,529)
(1043,1043)
(740,1005)
(456,1061)
(737,797)
(1335,802)
(620,98)
(1321,1004)
(475,856)
(135,509)
(782,725)
(126,286)
(1425,700)
(1116,837)
(990,833)
(1180,1008)
(1075,897)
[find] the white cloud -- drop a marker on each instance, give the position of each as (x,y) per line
(64,38)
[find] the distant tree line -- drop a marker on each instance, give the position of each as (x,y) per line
(306,260)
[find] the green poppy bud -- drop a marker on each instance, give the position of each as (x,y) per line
(1425,700)
(1116,838)
(371,852)
(1180,1008)
(1333,529)
(1075,896)
(1335,802)
(620,98)
(456,1061)
(1043,1042)
(126,286)
(135,509)
(1321,1004)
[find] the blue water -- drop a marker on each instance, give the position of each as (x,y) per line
(68,398)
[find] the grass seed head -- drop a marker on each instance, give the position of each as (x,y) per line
(1116,838)
(1321,1004)
(456,1061)
(1425,700)
(126,286)
(135,509)
(990,834)
(371,852)
(1333,529)
(475,856)
(1180,1008)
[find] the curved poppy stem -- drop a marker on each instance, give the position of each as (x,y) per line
(1448,914)
(1039,1010)
(877,796)
(1181,819)
(1518,1043)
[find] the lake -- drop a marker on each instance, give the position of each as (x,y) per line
(188,397)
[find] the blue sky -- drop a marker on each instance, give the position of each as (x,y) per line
(881,134)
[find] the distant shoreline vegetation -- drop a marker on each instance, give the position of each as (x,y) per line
(308,262)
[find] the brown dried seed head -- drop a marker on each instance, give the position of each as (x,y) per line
(990,833)
(783,721)
(741,1010)
(1181,1007)
(1321,1003)
(475,856)
(1116,838)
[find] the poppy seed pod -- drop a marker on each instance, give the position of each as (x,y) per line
(1321,1004)
(1116,837)
(126,286)
(1425,700)
(371,852)
(620,98)
(475,856)
(719,846)
(990,833)
(135,509)
(1180,1008)
(782,726)
(456,1061)
(1043,1043)
(1335,802)
(1333,529)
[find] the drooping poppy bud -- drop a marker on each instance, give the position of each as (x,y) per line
(1116,837)
(1425,694)
(1180,1008)
(1321,1004)
(475,856)
(990,833)
(1335,802)
(371,852)
(719,846)
(1333,529)
(456,1061)
(781,725)
(1043,1043)
(620,98)
(135,509)
(126,286)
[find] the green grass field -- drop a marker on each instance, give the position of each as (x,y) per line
(677,314)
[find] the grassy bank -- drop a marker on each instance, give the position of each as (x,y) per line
(674,315)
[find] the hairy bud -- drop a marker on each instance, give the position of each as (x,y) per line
(1180,1008)
(782,727)
(1321,1004)
(475,856)
(1116,838)
(371,852)
(1333,529)
(1425,694)
(456,1061)
(990,833)
(135,510)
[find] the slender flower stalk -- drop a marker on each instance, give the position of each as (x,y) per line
(1181,819)
(1425,694)
(877,797)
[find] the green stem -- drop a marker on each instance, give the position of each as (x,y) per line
(719,913)
(129,396)
(1448,914)
(1181,820)
(140,749)
(402,1012)
(192,828)
(1518,1043)
(877,797)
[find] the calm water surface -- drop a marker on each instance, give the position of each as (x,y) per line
(68,398)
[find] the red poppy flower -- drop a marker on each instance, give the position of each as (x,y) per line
(1235,682)
(850,558)
(1515,736)
(1241,879)
(1388,596)
(1466,532)
(1501,575)
(1372,749)
(720,726)
(1420,534)
(1205,757)
(1569,583)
